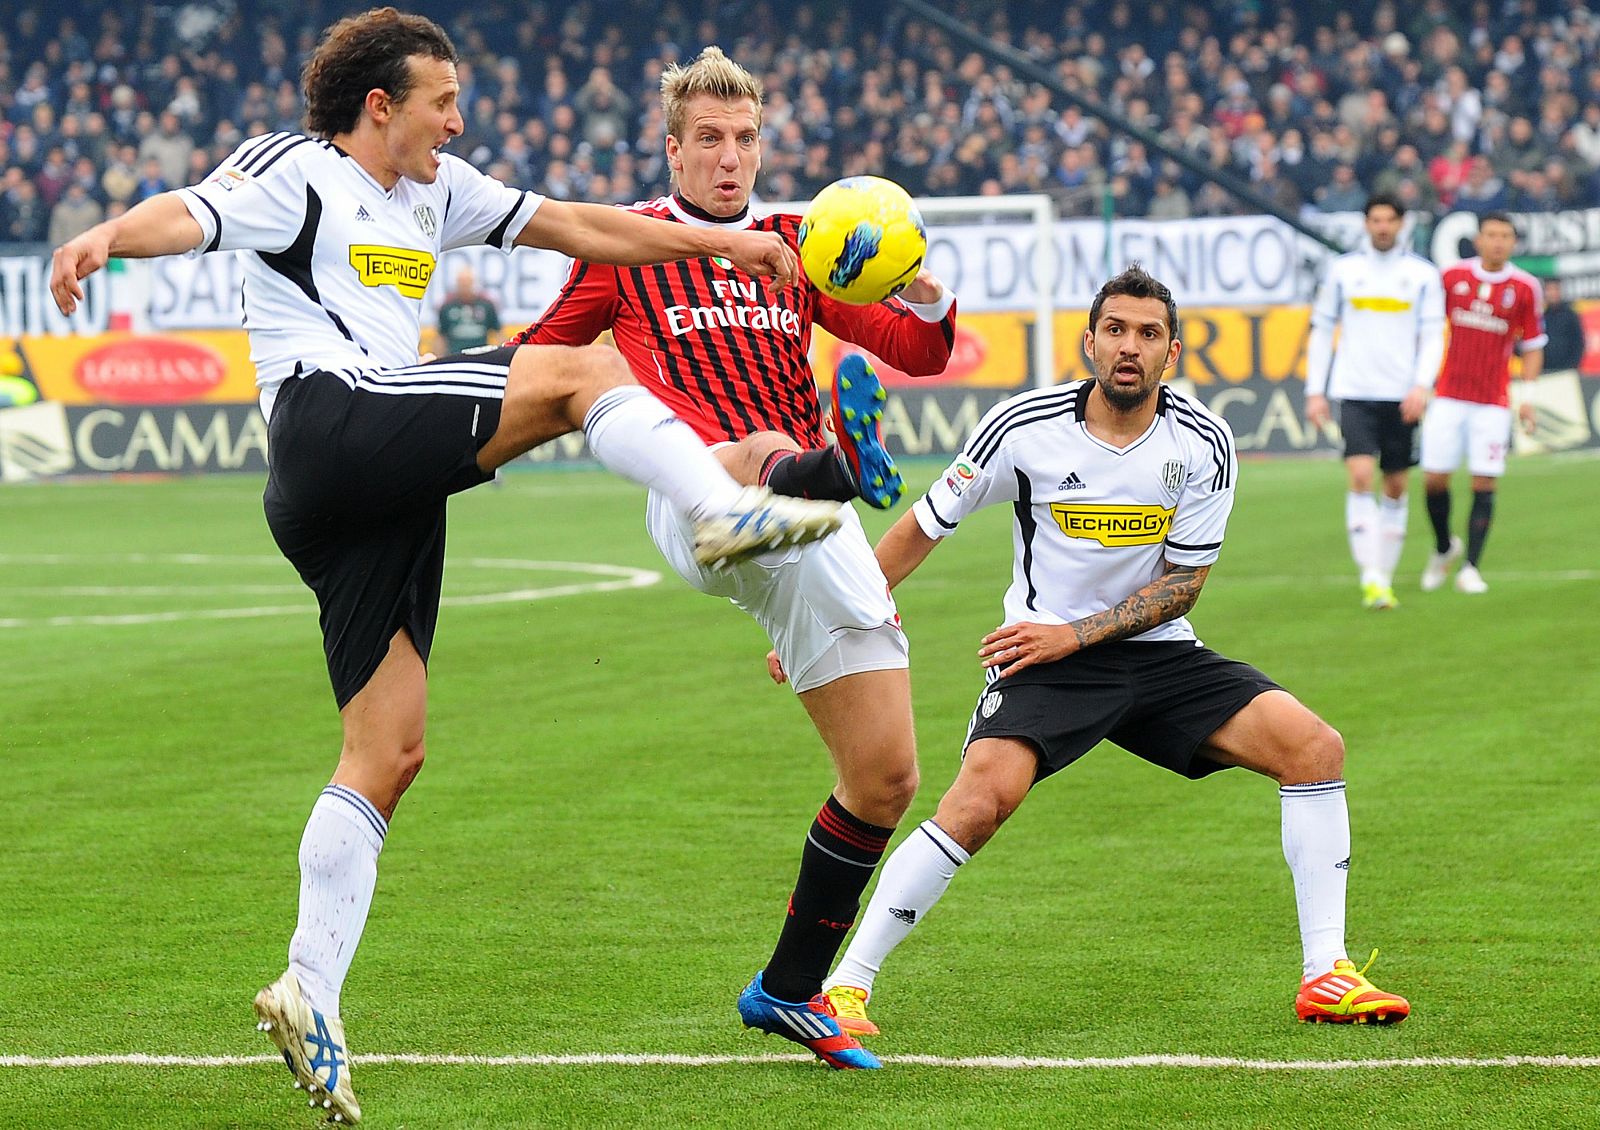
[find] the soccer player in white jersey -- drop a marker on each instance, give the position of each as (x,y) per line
(1387,307)
(1121,490)
(343,230)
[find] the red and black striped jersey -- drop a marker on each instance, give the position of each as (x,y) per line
(724,350)
(1490,314)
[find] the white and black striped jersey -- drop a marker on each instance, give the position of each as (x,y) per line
(337,266)
(1092,523)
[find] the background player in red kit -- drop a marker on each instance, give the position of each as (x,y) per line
(728,352)
(1493,308)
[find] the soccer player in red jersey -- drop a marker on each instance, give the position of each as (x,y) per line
(728,352)
(1494,309)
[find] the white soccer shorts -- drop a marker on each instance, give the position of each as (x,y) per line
(1457,429)
(825,606)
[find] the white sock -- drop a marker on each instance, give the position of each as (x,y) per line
(1316,842)
(1392,515)
(639,438)
(912,881)
(338,870)
(1361,524)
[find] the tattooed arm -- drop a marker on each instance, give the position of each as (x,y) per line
(1168,597)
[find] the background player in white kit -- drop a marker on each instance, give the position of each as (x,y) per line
(1494,308)
(1387,307)
(366,444)
(1121,489)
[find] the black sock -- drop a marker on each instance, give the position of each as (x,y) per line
(1439,515)
(809,474)
(1478,524)
(840,855)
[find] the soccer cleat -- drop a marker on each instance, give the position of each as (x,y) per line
(812,1025)
(1345,996)
(1469,580)
(758,521)
(1439,564)
(857,416)
(312,1045)
(1378,597)
(850,1009)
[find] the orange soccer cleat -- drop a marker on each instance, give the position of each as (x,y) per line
(1345,996)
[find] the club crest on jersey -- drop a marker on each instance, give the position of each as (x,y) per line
(1172,475)
(1507,297)
(426,220)
(991,703)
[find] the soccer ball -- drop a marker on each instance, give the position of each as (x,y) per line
(862,240)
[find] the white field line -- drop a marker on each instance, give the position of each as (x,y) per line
(995,1062)
(622,577)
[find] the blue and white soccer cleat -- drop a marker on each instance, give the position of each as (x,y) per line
(858,400)
(312,1045)
(759,521)
(811,1025)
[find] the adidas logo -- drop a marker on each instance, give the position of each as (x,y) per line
(363,214)
(909,917)
(1072,482)
(1343,864)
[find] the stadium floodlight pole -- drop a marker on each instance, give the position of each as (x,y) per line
(1025,66)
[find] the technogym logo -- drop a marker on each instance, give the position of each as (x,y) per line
(1114,526)
(407,270)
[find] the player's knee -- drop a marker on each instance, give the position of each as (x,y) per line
(1319,756)
(898,787)
(600,367)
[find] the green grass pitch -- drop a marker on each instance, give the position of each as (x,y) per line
(596,856)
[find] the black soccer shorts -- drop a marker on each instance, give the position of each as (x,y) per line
(1159,701)
(359,468)
(1374,427)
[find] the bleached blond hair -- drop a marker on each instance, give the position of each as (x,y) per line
(711,73)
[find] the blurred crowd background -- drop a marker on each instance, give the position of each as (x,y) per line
(1493,104)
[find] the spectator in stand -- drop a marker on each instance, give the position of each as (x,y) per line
(75,213)
(1482,191)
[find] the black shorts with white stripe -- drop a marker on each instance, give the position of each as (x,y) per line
(359,467)
(1159,700)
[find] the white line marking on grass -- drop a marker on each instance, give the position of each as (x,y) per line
(987,1062)
(623,577)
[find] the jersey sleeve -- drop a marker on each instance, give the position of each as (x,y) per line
(1531,325)
(1206,499)
(586,307)
(1324,320)
(982,473)
(256,200)
(481,210)
(915,338)
(1430,328)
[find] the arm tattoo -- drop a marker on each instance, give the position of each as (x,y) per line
(1166,598)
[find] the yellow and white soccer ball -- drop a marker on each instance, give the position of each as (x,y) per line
(862,240)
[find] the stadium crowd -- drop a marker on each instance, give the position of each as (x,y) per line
(1481,106)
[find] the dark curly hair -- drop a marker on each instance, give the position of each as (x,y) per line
(1136,282)
(366,52)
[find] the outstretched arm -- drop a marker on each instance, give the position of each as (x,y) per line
(1168,597)
(160,225)
(903,548)
(600,233)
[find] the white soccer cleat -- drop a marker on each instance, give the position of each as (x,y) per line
(1439,564)
(1469,580)
(312,1045)
(758,521)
